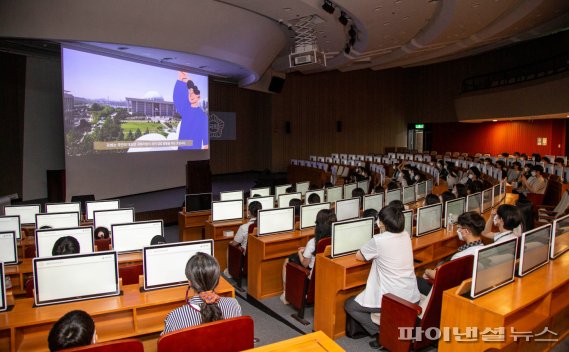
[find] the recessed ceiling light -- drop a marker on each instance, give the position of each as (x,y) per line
(494,120)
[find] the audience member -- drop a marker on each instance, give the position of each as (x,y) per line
(507,218)
(392,269)
(314,198)
(240,238)
(307,255)
(66,245)
(469,229)
(202,272)
(75,329)
(536,183)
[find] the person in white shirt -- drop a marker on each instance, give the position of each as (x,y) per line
(306,256)
(470,226)
(242,234)
(392,269)
(536,183)
(508,220)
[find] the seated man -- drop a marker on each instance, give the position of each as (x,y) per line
(508,220)
(392,269)
(469,229)
(74,329)
(534,184)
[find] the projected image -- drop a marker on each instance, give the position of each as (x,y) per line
(118,106)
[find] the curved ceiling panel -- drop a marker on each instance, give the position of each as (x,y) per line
(241,39)
(207,28)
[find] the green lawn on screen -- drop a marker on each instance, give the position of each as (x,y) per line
(153,127)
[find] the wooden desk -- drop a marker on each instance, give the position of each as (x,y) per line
(266,255)
(530,303)
(19,273)
(132,314)
(214,231)
(341,278)
(316,341)
(192,225)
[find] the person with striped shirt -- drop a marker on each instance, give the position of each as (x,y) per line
(202,271)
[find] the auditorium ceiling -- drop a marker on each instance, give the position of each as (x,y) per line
(240,40)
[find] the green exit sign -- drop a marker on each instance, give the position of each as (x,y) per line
(419,126)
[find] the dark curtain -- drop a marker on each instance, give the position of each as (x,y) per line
(12,95)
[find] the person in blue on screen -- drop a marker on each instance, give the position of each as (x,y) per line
(194,125)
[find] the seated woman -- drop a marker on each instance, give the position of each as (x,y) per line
(307,255)
(202,271)
(392,269)
(66,245)
(74,329)
(508,218)
(470,227)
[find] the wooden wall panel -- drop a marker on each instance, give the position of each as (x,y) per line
(12,98)
(430,90)
(368,103)
(498,137)
(252,149)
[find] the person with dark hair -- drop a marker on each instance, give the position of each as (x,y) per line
(66,245)
(471,175)
(291,189)
(328,185)
(475,187)
(378,189)
(459,190)
(296,203)
(194,126)
(452,174)
(392,269)
(313,198)
(446,196)
(405,178)
(431,199)
(559,162)
(240,238)
(397,204)
(358,193)
(470,227)
(372,213)
(392,185)
(306,256)
(507,218)
(157,240)
(417,175)
(514,174)
(75,329)
(202,272)
(536,183)
(101,232)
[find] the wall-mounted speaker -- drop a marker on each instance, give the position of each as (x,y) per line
(338,126)
(287,127)
(276,85)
